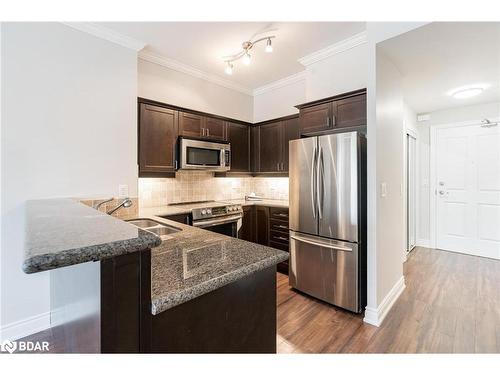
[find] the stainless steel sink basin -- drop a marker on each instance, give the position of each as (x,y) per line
(162,231)
(154,226)
(144,223)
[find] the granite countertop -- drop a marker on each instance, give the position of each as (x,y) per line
(177,209)
(195,261)
(184,265)
(64,232)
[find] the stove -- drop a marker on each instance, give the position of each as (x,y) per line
(220,217)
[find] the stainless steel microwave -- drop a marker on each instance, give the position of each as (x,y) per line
(204,155)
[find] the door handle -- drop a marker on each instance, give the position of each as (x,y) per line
(319,183)
(313,183)
(321,244)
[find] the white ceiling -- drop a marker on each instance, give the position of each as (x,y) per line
(440,57)
(203,44)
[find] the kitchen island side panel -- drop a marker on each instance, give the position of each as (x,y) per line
(237,318)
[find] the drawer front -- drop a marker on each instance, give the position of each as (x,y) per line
(281,237)
(279,213)
(279,225)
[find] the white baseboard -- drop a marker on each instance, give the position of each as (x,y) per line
(375,316)
(25,327)
(424,243)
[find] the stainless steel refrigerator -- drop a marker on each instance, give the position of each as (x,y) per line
(328,218)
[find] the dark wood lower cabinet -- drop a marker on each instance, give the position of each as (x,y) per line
(267,226)
(237,318)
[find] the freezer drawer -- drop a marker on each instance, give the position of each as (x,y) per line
(325,269)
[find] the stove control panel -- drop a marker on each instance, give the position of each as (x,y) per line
(205,213)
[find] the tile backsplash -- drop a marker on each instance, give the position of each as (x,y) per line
(189,186)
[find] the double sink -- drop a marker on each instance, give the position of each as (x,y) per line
(154,226)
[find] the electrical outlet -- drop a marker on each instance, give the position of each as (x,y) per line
(122,191)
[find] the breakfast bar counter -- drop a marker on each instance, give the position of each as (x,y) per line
(118,288)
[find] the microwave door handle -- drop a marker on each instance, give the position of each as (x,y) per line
(222,158)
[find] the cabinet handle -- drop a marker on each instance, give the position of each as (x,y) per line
(333,120)
(208,132)
(281,238)
(281,226)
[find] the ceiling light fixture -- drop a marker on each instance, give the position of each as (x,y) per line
(269,46)
(229,68)
(245,53)
(465,92)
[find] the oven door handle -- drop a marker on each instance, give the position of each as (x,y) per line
(209,223)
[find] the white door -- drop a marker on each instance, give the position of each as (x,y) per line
(468,190)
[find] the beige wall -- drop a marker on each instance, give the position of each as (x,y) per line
(165,85)
(390,160)
(191,186)
(69,129)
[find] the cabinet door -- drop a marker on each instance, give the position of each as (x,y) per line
(315,118)
(157,137)
(248,224)
(239,137)
(271,147)
(190,125)
(350,111)
(290,132)
(214,129)
(254,149)
(262,225)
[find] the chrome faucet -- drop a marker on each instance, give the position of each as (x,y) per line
(127,202)
(98,205)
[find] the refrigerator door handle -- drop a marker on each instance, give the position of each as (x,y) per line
(321,244)
(320,171)
(313,182)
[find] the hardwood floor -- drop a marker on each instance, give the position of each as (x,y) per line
(451,304)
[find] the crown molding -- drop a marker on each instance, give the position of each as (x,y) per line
(294,78)
(192,71)
(339,47)
(107,34)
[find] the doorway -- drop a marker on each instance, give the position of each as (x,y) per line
(465,173)
(411,190)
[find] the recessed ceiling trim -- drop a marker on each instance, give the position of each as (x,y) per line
(107,34)
(294,78)
(339,47)
(192,71)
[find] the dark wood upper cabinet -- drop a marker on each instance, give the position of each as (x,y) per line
(271,147)
(213,128)
(316,118)
(157,136)
(239,137)
(350,112)
(273,141)
(199,126)
(190,124)
(290,132)
(341,111)
(254,149)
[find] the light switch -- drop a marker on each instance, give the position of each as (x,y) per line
(383,189)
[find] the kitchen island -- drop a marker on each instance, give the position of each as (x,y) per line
(118,288)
